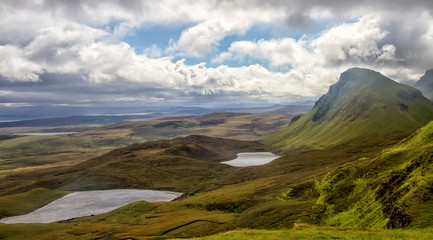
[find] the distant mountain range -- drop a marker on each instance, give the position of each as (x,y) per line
(363,104)
(77,120)
(104,119)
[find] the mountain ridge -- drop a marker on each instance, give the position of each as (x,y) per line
(362,104)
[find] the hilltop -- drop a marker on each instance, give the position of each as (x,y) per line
(362,105)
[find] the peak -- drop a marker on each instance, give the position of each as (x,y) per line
(362,76)
(428,76)
(362,104)
(360,70)
(425,84)
(358,89)
(355,79)
(428,73)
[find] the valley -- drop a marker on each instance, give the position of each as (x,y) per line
(355,165)
(224,198)
(216,119)
(24,153)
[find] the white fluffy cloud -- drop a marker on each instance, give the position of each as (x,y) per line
(361,43)
(16,66)
(84,38)
(198,41)
(357,41)
(162,72)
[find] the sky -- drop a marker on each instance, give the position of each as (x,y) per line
(202,53)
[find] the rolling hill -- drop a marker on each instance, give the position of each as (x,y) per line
(182,164)
(362,105)
(350,174)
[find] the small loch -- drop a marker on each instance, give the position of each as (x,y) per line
(87,203)
(44,134)
(248,159)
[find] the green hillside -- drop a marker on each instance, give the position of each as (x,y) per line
(425,84)
(360,199)
(357,174)
(362,105)
(306,232)
(182,164)
(392,190)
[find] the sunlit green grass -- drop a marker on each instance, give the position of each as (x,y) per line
(390,190)
(23,203)
(312,232)
(219,198)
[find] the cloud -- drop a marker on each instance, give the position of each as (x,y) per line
(199,41)
(387,53)
(357,42)
(56,48)
(364,43)
(53,49)
(70,51)
(15,65)
(223,19)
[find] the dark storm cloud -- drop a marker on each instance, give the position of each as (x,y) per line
(411,48)
(73,89)
(343,7)
(301,13)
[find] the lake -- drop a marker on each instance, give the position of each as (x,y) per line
(248,159)
(87,203)
(44,134)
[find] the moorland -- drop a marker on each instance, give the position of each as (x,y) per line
(357,165)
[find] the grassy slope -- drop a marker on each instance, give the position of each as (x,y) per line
(391,190)
(39,197)
(362,105)
(233,198)
(180,164)
(309,232)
